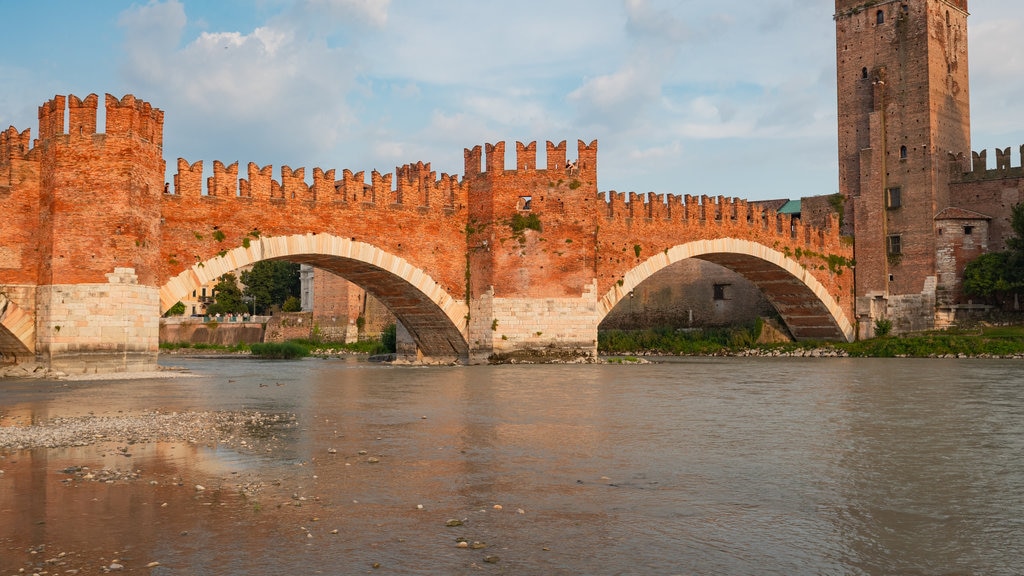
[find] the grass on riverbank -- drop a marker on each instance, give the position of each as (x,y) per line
(670,341)
(981,341)
(289,349)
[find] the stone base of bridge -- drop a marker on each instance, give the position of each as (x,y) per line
(99,328)
(533,329)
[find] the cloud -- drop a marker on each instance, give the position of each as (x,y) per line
(275,87)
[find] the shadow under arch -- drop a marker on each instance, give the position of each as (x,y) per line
(435,320)
(805,305)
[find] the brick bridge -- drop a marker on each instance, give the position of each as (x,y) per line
(525,261)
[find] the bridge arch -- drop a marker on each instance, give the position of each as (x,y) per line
(804,303)
(435,320)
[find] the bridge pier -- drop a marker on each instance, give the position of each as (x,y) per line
(98,328)
(533,329)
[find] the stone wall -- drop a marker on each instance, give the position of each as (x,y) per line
(93,328)
(220,333)
(289,326)
(560,328)
(690,294)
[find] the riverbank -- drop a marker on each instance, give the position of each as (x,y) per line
(1003,342)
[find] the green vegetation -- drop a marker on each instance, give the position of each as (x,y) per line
(177,310)
(665,340)
(270,283)
(199,346)
(389,338)
(227,297)
(279,350)
(530,222)
(997,276)
(883,326)
(982,341)
(292,304)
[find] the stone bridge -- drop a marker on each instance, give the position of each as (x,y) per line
(525,261)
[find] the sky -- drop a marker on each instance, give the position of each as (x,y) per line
(732,97)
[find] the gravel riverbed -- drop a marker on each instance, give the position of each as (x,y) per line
(251,430)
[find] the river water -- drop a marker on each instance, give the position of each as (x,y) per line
(695,466)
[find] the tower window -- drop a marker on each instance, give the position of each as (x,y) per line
(720,291)
(894,244)
(864,72)
(893,197)
(903,152)
(880,17)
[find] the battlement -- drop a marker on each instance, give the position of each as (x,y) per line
(493,157)
(128,117)
(962,170)
(14,145)
(411,185)
(724,212)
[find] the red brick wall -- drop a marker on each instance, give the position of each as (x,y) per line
(199,226)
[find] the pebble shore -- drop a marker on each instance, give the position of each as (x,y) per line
(252,430)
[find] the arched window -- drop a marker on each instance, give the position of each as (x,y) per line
(880,17)
(864,72)
(903,152)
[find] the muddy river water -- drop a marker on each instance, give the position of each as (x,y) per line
(694,466)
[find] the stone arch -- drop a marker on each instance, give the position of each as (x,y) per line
(17,331)
(804,303)
(435,320)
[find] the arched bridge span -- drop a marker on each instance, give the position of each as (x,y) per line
(435,320)
(805,304)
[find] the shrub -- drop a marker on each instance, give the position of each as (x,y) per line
(279,351)
(883,326)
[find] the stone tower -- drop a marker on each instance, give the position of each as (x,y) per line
(904,106)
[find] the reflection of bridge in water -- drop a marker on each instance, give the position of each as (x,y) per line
(524,261)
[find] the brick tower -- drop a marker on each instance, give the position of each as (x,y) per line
(99,200)
(532,252)
(903,107)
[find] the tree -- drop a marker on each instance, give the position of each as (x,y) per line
(292,304)
(177,310)
(996,275)
(985,276)
(270,282)
(227,296)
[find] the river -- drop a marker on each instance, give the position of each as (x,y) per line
(707,466)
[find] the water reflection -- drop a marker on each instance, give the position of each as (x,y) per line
(703,466)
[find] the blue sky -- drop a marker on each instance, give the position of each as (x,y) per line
(731,97)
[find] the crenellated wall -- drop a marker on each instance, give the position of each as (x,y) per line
(977,169)
(991,192)
(538,252)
